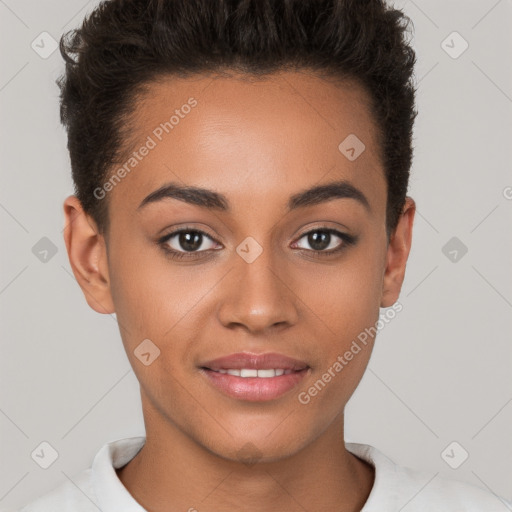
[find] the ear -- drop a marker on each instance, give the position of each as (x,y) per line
(87,254)
(397,254)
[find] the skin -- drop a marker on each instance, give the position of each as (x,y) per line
(258,143)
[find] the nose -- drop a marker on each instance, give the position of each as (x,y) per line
(259,296)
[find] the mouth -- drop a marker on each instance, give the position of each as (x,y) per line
(255,377)
(263,373)
(244,385)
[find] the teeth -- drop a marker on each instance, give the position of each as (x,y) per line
(252,372)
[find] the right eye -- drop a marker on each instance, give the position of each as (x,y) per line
(185,242)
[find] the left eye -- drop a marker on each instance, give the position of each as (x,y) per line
(321,240)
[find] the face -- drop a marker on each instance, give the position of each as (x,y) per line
(255,265)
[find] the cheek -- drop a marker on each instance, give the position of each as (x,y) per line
(347,303)
(344,297)
(153,296)
(137,283)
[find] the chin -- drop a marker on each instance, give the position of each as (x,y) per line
(254,449)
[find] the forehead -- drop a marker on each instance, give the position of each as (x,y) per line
(241,135)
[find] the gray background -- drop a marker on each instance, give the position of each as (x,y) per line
(440,371)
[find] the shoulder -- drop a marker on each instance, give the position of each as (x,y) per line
(446,494)
(398,487)
(96,488)
(77,496)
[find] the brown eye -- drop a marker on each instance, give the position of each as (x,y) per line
(323,240)
(187,242)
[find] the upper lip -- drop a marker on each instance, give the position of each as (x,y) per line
(256,361)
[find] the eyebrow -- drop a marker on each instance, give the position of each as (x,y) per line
(212,200)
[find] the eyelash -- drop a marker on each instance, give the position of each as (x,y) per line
(348,240)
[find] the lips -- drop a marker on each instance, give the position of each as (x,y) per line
(246,360)
(254,377)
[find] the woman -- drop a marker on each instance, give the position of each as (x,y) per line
(241,170)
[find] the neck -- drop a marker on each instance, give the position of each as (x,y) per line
(173,472)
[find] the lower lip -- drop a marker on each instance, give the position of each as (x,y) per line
(254,389)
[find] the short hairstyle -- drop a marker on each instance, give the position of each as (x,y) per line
(124,45)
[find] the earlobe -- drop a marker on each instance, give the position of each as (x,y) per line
(397,254)
(87,256)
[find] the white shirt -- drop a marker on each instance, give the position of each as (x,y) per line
(395,488)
